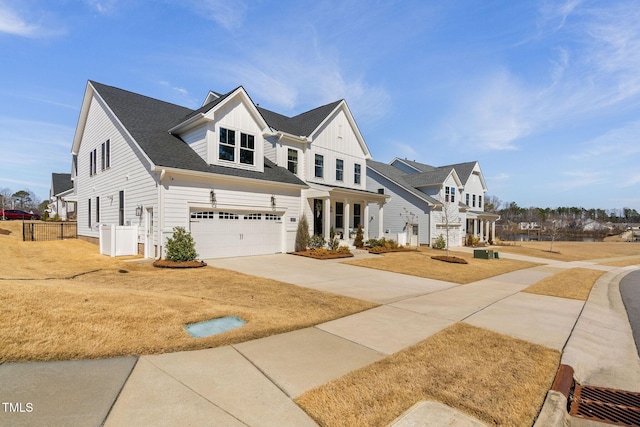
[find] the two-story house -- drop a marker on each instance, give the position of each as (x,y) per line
(236,175)
(427,201)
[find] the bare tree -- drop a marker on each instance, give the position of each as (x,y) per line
(554,231)
(5,199)
(449,216)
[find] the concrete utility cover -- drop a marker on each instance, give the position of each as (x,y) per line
(214,326)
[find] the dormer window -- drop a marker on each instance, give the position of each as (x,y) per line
(227,148)
(247,148)
(292,160)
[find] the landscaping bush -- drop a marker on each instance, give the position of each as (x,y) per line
(302,234)
(344,250)
(440,243)
(359,240)
(333,244)
(475,240)
(316,241)
(181,247)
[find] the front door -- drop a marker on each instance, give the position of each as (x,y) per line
(149,248)
(317,216)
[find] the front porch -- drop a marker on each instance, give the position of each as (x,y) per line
(482,225)
(342,210)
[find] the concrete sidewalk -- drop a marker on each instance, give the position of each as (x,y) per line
(253,383)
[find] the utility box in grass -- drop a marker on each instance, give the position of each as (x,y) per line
(483,253)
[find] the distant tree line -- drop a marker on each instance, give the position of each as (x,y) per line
(510,211)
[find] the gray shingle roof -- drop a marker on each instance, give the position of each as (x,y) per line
(463,170)
(427,179)
(300,125)
(420,166)
(61,182)
(148,120)
(400,178)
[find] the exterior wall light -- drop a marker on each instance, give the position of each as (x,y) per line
(139,210)
(212,197)
(273,201)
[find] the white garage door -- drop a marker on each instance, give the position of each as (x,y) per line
(220,234)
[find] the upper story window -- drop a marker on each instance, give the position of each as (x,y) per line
(339,170)
(227,146)
(449,194)
(479,201)
(356,173)
(93,162)
(105,155)
(319,166)
(474,201)
(247,148)
(292,160)
(467,195)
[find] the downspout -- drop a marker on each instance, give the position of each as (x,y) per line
(160,213)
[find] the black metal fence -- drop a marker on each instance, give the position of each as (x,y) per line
(41,231)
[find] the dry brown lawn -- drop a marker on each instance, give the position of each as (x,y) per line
(115,308)
(573,251)
(497,379)
(575,283)
(420,264)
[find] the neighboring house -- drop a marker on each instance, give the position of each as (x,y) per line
(62,201)
(426,200)
(529,226)
(236,175)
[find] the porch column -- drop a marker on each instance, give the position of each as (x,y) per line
(365,220)
(493,231)
(481,231)
(488,230)
(347,218)
(380,220)
(326,227)
(475,227)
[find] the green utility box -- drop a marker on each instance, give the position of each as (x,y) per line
(496,256)
(483,253)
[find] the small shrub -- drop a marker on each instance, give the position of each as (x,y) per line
(316,242)
(302,234)
(475,240)
(344,250)
(440,243)
(321,252)
(333,243)
(56,217)
(332,233)
(45,216)
(359,240)
(181,247)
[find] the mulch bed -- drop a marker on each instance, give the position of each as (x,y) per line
(165,263)
(451,259)
(3,231)
(386,251)
(322,255)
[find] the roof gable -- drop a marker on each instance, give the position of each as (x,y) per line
(61,182)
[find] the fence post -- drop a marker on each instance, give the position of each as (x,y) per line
(62,231)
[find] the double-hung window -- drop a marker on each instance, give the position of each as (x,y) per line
(93,162)
(339,170)
(106,155)
(247,148)
(474,200)
(227,146)
(356,173)
(97,209)
(319,166)
(467,195)
(447,194)
(89,213)
(339,215)
(292,160)
(121,208)
(479,201)
(453,194)
(356,215)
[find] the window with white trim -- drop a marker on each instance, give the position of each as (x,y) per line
(356,173)
(319,166)
(467,199)
(339,170)
(479,201)
(97,209)
(93,162)
(105,155)
(272,217)
(247,148)
(339,215)
(227,146)
(474,200)
(253,216)
(292,160)
(356,215)
(203,215)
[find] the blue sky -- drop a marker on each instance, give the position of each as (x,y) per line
(544,94)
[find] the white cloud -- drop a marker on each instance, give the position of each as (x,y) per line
(12,23)
(228,14)
(579,179)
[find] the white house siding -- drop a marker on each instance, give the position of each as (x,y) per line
(270,149)
(128,172)
(181,195)
(336,139)
(197,140)
(473,186)
(234,115)
(398,209)
(282,155)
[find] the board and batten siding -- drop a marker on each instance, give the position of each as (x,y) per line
(336,139)
(129,171)
(398,209)
(182,195)
(234,115)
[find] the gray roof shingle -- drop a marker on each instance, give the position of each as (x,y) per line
(61,182)
(400,178)
(148,120)
(300,125)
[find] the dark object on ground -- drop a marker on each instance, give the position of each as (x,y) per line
(165,263)
(451,259)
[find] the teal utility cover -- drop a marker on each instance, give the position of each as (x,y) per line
(214,326)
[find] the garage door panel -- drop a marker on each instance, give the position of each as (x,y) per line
(221,234)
